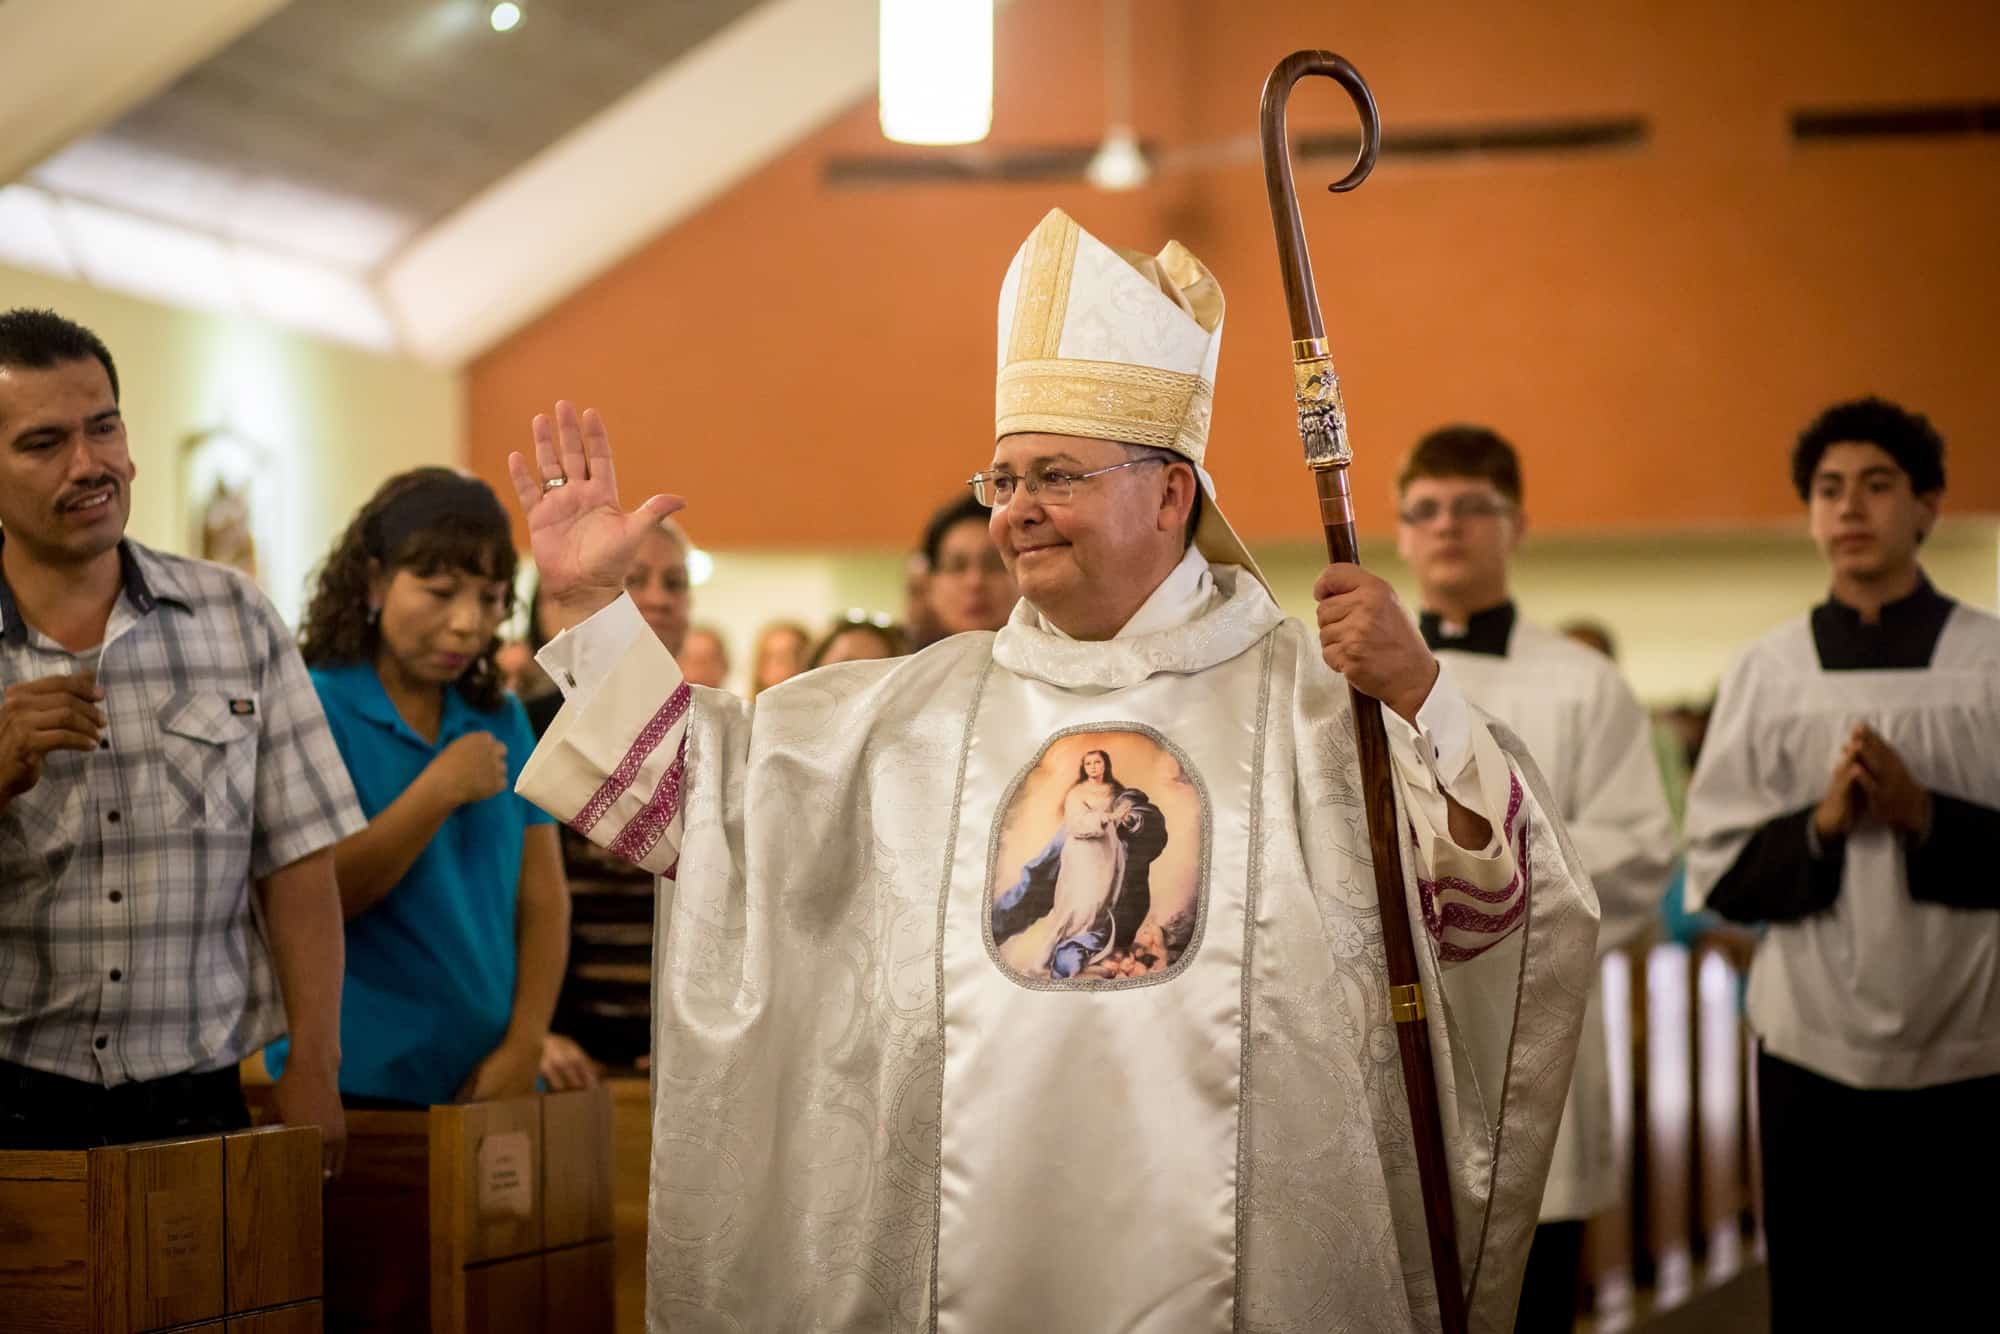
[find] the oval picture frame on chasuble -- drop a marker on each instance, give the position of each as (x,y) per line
(1097,871)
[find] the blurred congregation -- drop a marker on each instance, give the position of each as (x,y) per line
(1665,340)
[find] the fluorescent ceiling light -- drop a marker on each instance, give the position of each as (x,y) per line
(506,16)
(151,259)
(188,267)
(266,211)
(109,171)
(318,300)
(936,70)
(317,225)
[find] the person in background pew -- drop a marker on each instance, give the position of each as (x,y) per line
(515,659)
(781,653)
(1847,798)
(859,637)
(603,1020)
(966,585)
(457,914)
(1459,504)
(704,657)
(166,777)
(917,601)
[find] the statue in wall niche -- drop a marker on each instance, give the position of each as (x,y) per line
(229,494)
(226,536)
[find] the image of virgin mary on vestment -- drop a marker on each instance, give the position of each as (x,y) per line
(1118,861)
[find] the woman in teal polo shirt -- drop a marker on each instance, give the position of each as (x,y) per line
(457,912)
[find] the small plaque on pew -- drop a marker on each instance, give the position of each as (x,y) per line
(136,1238)
(506,1176)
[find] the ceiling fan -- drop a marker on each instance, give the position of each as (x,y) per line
(1121,160)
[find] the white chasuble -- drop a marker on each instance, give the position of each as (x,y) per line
(1593,743)
(1028,984)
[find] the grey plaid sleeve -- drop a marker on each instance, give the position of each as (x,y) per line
(304,800)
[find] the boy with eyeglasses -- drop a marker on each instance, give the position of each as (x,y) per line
(1460,517)
(1848,800)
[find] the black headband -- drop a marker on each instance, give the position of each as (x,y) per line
(462,502)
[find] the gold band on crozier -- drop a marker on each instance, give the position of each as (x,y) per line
(1308,349)
(1406,1003)
(1335,509)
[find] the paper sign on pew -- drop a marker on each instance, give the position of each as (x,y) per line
(175,1255)
(506,1175)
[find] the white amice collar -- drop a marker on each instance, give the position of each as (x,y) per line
(1199,616)
(1183,595)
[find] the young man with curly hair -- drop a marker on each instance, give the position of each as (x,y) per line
(1848,801)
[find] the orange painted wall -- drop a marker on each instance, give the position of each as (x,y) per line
(813,366)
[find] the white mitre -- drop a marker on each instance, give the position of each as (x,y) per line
(1115,345)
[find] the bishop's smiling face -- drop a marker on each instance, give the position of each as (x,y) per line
(65,471)
(1088,563)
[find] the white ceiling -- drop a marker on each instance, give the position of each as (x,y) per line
(391,172)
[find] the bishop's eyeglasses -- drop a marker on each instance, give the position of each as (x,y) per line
(1052,486)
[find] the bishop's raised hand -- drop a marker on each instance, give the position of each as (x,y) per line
(582,539)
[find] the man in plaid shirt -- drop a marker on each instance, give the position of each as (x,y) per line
(169,799)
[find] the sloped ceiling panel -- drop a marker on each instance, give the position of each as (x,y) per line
(61,85)
(645,163)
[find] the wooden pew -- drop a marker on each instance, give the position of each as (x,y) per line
(220,1232)
(632,1151)
(475,1219)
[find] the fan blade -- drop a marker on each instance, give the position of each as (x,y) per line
(1066,162)
(1050,162)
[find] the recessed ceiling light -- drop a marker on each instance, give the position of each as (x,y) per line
(506,16)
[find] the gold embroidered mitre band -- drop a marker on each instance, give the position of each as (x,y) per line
(1114,345)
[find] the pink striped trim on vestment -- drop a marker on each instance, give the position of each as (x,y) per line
(649,738)
(1463,918)
(636,841)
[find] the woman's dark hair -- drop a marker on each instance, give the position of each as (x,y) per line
(1907,437)
(964,509)
(1082,777)
(889,634)
(427,521)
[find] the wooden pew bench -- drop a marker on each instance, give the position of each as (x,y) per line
(475,1218)
(218,1233)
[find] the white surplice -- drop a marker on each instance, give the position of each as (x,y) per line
(864,1120)
(1593,743)
(1882,989)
